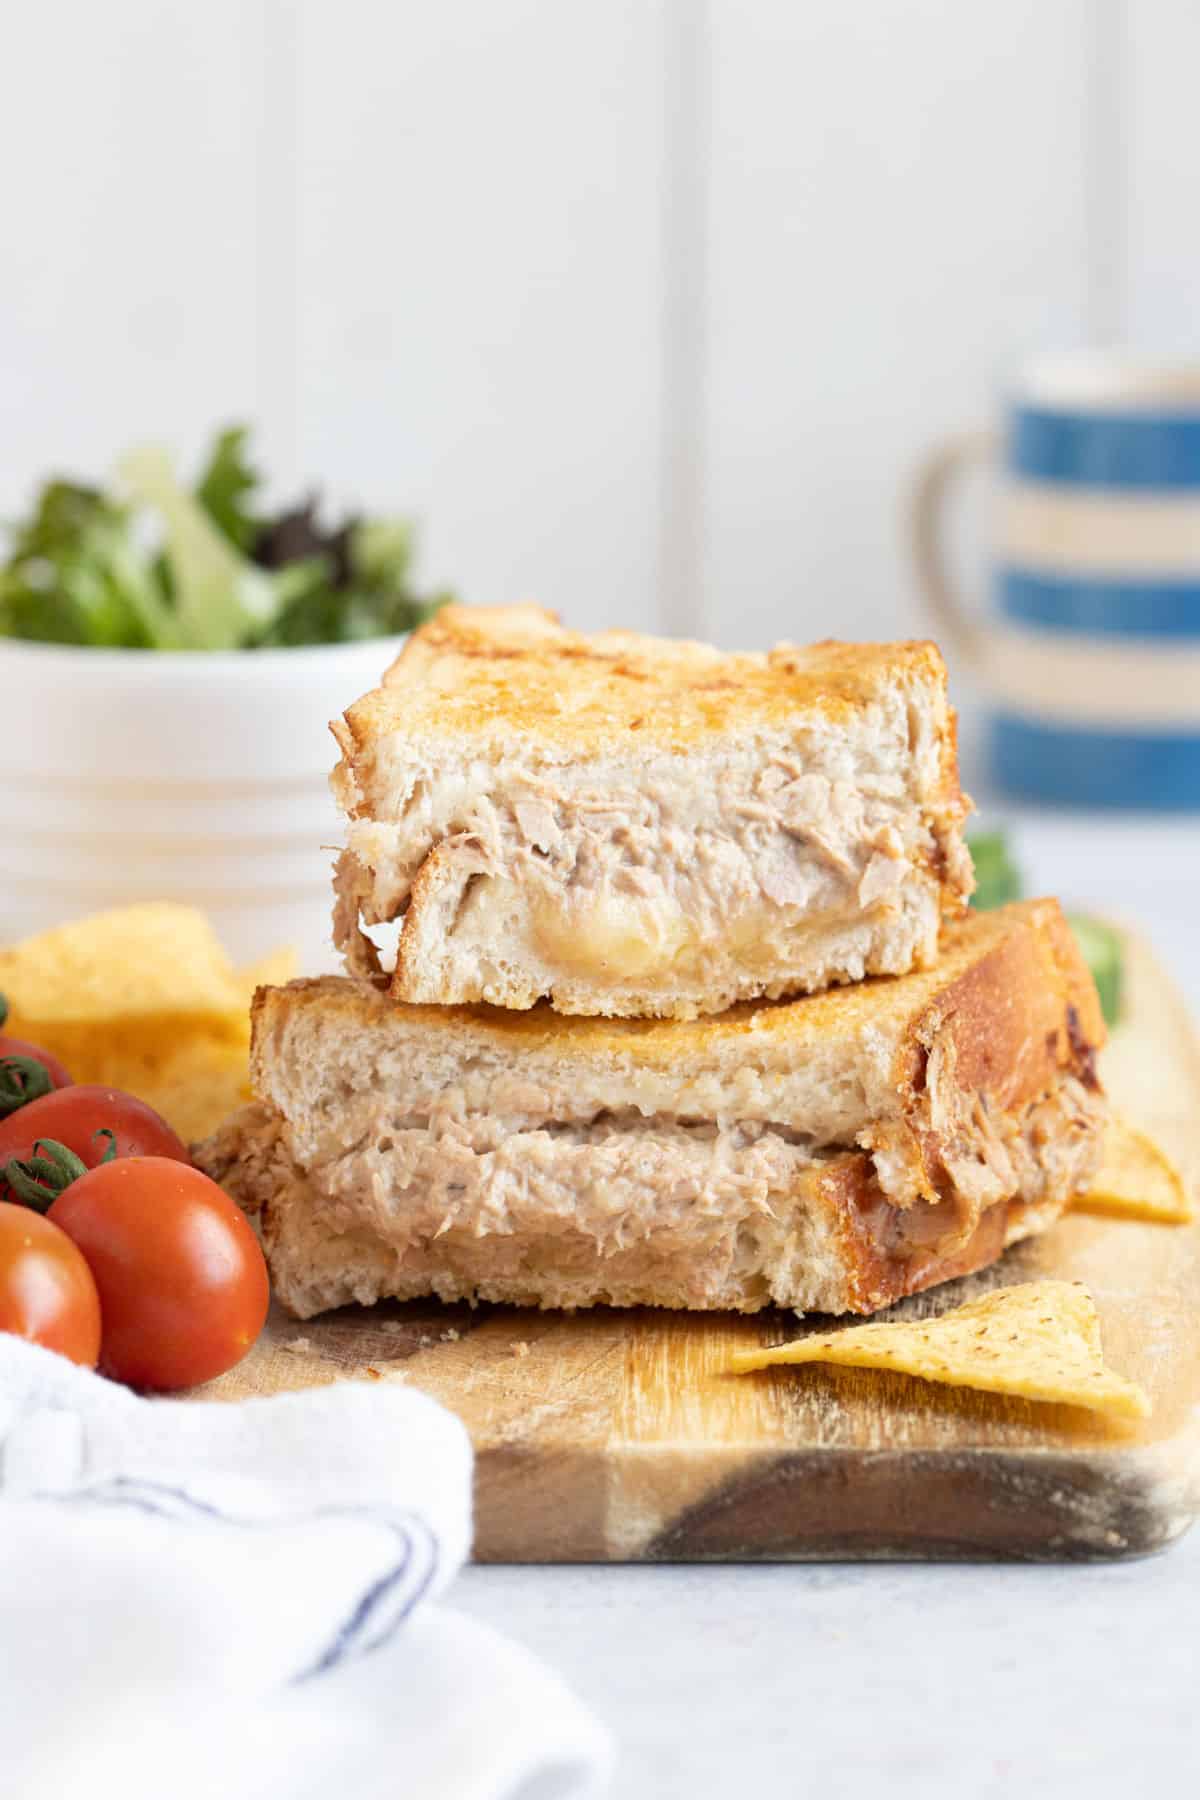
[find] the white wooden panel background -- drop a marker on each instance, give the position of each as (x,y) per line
(129,210)
(897,201)
(488,346)
(645,306)
(1161,132)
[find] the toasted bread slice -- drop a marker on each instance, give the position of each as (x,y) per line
(829,1153)
(630,826)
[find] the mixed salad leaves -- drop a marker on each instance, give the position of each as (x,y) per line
(157,565)
(998,880)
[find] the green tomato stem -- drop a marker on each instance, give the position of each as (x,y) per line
(39,1180)
(22,1079)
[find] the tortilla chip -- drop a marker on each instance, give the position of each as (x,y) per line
(143,998)
(133,1053)
(273,970)
(1036,1342)
(1136,1180)
(198,1089)
(136,962)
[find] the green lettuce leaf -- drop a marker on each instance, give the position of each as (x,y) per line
(219,596)
(76,575)
(227,485)
(159,565)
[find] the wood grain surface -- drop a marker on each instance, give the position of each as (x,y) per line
(618,1436)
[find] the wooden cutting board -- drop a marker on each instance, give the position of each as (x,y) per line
(616,1436)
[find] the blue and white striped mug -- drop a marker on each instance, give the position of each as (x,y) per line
(1090,657)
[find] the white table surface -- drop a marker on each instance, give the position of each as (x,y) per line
(845,1680)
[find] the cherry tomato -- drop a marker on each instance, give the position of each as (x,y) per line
(11,1046)
(47,1291)
(182,1282)
(15,1082)
(80,1117)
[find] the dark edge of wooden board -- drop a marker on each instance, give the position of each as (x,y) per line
(778,1507)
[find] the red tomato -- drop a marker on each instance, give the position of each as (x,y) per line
(79,1117)
(15,1082)
(47,1292)
(11,1046)
(182,1281)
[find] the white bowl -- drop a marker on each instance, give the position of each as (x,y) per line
(199,776)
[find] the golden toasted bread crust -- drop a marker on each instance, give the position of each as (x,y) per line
(471,669)
(1021,1016)
(880,1269)
(1006,1011)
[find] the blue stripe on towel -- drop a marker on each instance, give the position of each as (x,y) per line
(1090,767)
(1099,608)
(1143,451)
(375,1614)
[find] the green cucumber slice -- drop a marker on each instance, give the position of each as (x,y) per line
(997,877)
(1100,947)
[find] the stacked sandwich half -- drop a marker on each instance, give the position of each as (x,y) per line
(686,1008)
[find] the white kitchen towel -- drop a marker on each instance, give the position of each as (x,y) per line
(234,1600)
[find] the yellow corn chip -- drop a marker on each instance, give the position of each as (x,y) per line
(198,1088)
(1135,1180)
(133,1053)
(203,1079)
(273,970)
(135,962)
(1037,1342)
(143,998)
